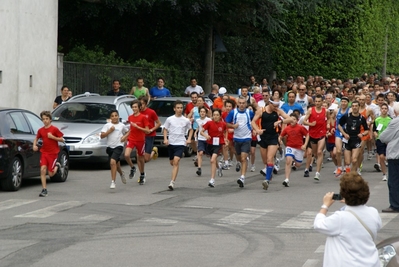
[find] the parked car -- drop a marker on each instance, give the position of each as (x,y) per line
(81,120)
(388,251)
(164,109)
(18,129)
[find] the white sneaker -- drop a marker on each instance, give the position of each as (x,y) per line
(211,183)
(286,183)
(265,184)
(263,171)
(317,176)
(171,185)
(329,159)
(123,178)
(277,164)
(220,169)
(384,177)
(252,168)
(112,185)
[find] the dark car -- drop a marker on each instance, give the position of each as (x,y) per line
(388,251)
(18,128)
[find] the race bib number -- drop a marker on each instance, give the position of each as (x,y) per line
(345,140)
(258,137)
(215,141)
(379,127)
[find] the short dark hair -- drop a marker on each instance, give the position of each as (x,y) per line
(217,110)
(135,102)
(231,101)
(112,111)
(45,113)
(143,98)
(294,115)
(116,81)
(178,102)
(354,189)
(139,78)
(63,87)
(193,93)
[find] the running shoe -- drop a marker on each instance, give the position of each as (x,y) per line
(196,163)
(329,159)
(265,184)
(132,172)
(225,167)
(211,183)
(252,168)
(43,193)
(195,158)
(142,180)
(347,170)
(377,166)
(220,170)
(155,149)
(230,163)
(263,171)
(240,182)
(276,167)
(338,172)
(293,166)
(171,185)
(238,166)
(386,163)
(199,172)
(370,156)
(286,183)
(384,177)
(310,168)
(123,178)
(317,176)
(112,186)
(306,173)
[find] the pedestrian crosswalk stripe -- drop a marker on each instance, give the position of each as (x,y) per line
(13,203)
(310,263)
(302,221)
(387,217)
(96,217)
(159,220)
(320,249)
(243,217)
(49,211)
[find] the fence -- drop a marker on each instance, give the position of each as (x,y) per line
(95,78)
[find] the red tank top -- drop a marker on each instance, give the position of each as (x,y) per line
(320,129)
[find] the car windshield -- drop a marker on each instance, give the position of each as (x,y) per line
(164,108)
(83,112)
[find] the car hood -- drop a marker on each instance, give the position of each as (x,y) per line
(78,129)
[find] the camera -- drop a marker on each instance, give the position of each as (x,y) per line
(337,197)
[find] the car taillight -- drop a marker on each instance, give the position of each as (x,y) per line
(3,143)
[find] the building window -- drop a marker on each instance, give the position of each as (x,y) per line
(30,80)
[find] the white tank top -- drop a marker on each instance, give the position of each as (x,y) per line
(303,102)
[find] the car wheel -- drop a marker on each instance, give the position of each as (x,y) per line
(13,180)
(62,173)
(188,151)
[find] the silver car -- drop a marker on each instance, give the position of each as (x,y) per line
(81,120)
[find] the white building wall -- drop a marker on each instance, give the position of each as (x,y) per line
(28,48)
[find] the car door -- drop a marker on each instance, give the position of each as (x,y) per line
(24,137)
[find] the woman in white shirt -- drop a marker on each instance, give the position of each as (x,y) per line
(352,230)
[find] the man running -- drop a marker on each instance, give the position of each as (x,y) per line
(338,135)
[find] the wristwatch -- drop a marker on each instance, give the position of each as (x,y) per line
(324,207)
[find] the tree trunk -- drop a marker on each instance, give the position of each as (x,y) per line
(209,61)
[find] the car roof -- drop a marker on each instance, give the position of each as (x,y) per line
(173,98)
(96,98)
(14,109)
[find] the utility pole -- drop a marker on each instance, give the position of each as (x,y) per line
(209,61)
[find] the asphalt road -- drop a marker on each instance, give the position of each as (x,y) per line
(84,223)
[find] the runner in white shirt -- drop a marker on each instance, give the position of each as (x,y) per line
(201,139)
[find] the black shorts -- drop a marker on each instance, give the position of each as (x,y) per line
(115,153)
(212,149)
(201,146)
(314,141)
(330,146)
(381,147)
(268,141)
(175,151)
(254,143)
(353,143)
(242,147)
(149,144)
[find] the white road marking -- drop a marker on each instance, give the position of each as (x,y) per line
(197,207)
(49,211)
(320,249)
(12,203)
(302,221)
(310,263)
(387,217)
(96,217)
(158,220)
(243,217)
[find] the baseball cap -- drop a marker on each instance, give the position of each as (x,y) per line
(222,91)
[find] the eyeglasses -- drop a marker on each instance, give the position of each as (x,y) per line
(265,95)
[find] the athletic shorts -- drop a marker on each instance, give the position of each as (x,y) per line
(242,147)
(330,146)
(149,144)
(212,149)
(381,147)
(338,133)
(254,143)
(139,145)
(175,151)
(48,160)
(268,141)
(201,146)
(115,153)
(315,140)
(295,153)
(352,143)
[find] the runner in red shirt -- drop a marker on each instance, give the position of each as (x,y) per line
(139,126)
(50,136)
(215,138)
(295,146)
